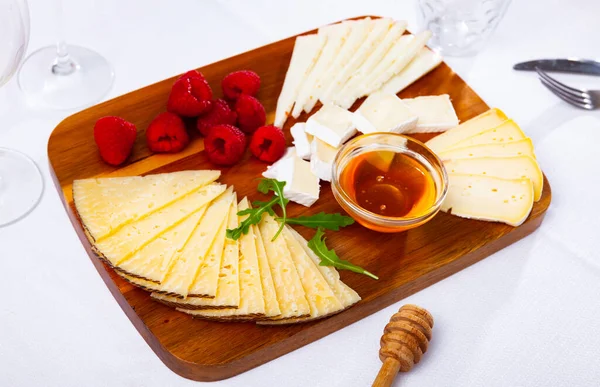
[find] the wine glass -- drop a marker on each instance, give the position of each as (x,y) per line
(65,76)
(21,183)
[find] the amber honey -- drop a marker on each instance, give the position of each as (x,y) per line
(389,183)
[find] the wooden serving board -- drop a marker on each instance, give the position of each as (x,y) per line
(405,263)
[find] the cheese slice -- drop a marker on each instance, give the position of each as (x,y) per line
(516,167)
(522,147)
(425,61)
(105,205)
(358,33)
(322,156)
(302,186)
(188,261)
(302,140)
(382,112)
(266,278)
(306,53)
(153,261)
(252,303)
(331,124)
(379,29)
(228,288)
(481,123)
(489,198)
(321,298)
(505,132)
(435,112)
(336,35)
(134,236)
(288,286)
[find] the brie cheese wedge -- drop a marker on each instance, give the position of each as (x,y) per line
(272,171)
(436,113)
(321,159)
(301,185)
(382,112)
(331,124)
(302,140)
(425,61)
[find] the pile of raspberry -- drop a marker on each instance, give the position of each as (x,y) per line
(225,123)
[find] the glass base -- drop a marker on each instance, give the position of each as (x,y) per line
(21,186)
(89,81)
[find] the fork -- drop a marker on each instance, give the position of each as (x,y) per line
(581,98)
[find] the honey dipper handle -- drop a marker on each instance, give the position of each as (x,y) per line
(387,373)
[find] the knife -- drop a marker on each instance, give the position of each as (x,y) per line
(569,65)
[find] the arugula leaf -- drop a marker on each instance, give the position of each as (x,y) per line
(266,185)
(330,258)
(254,217)
(327,221)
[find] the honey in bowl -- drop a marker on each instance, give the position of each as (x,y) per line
(390,184)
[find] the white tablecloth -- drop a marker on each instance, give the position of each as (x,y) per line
(526,316)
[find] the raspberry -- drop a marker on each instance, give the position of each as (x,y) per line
(114,137)
(225,144)
(192,74)
(240,82)
(220,113)
(268,143)
(190,96)
(251,113)
(167,134)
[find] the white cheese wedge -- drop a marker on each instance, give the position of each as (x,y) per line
(272,171)
(382,112)
(522,147)
(358,34)
(302,186)
(133,236)
(478,124)
(288,286)
(306,53)
(436,113)
(228,294)
(321,298)
(188,261)
(425,61)
(331,124)
(516,167)
(107,204)
(252,303)
(378,30)
(489,198)
(505,132)
(266,278)
(153,261)
(321,159)
(302,140)
(336,35)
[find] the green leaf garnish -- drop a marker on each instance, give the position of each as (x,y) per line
(327,221)
(254,217)
(266,185)
(330,258)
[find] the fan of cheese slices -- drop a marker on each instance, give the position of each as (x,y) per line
(166,233)
(492,169)
(346,61)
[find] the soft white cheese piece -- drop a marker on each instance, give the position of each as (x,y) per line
(302,140)
(321,159)
(425,61)
(302,186)
(331,124)
(272,171)
(436,113)
(384,112)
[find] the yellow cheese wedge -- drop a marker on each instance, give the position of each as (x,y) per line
(522,147)
(489,198)
(290,293)
(481,123)
(188,262)
(252,304)
(517,167)
(505,132)
(269,293)
(133,236)
(107,204)
(153,261)
(228,288)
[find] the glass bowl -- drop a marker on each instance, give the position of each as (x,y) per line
(399,144)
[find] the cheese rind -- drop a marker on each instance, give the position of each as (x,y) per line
(435,112)
(331,124)
(503,133)
(322,156)
(302,140)
(522,147)
(517,167)
(105,205)
(425,61)
(302,186)
(272,171)
(488,120)
(382,112)
(489,198)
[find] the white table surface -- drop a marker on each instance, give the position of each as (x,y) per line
(526,316)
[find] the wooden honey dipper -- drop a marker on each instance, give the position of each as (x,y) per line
(405,339)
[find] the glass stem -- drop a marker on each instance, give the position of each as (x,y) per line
(63,64)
